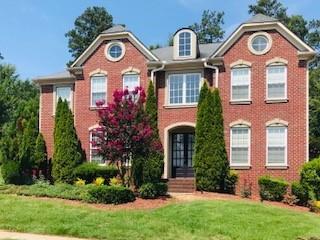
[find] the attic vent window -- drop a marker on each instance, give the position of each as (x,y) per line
(115,51)
(184,44)
(259,43)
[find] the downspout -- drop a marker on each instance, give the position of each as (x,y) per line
(205,63)
(156,70)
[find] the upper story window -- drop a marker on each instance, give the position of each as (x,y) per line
(131,81)
(65,93)
(115,51)
(240,145)
(240,84)
(183,88)
(98,89)
(276,82)
(184,44)
(259,43)
(276,145)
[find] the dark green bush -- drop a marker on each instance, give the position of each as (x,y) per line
(310,178)
(90,171)
(11,172)
(300,192)
(272,189)
(111,194)
(148,191)
(231,182)
(161,188)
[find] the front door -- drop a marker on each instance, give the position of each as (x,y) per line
(182,153)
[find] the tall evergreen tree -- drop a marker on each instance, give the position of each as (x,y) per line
(67,154)
(152,109)
(41,156)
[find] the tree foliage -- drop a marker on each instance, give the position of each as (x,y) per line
(210,159)
(209,29)
(67,151)
(87,27)
(41,156)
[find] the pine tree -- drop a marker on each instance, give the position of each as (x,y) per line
(67,154)
(152,109)
(40,155)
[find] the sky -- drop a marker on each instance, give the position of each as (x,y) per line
(32,32)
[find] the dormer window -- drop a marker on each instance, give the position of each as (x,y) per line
(184,44)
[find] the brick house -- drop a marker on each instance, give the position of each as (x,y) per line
(261,70)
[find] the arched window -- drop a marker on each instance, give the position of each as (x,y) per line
(240,83)
(131,80)
(98,89)
(184,44)
(276,144)
(276,81)
(240,145)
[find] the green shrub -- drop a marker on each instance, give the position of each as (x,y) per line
(310,178)
(272,189)
(231,182)
(11,172)
(153,190)
(300,192)
(110,194)
(148,191)
(90,171)
(153,168)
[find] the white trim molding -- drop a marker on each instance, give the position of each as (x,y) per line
(263,34)
(246,165)
(166,144)
(277,61)
(130,70)
(111,44)
(193,44)
(277,99)
(240,63)
(95,126)
(277,121)
(98,71)
(240,122)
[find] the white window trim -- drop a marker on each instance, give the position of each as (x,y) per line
(55,96)
(106,88)
(249,90)
(285,83)
(191,42)
(130,73)
(91,147)
(109,45)
(248,164)
(250,40)
(193,45)
(183,89)
(285,164)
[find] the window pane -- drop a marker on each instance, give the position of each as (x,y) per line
(115,51)
(240,83)
(276,81)
(64,93)
(276,145)
(94,152)
(259,43)
(192,88)
(276,90)
(98,89)
(176,89)
(239,155)
(184,44)
(130,81)
(240,145)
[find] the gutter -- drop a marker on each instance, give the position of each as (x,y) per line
(205,64)
(157,69)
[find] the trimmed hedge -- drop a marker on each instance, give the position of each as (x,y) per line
(272,189)
(153,190)
(231,182)
(111,194)
(310,178)
(91,171)
(301,193)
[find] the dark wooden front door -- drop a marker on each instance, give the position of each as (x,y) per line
(182,153)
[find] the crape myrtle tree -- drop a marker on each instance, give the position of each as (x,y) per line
(67,150)
(125,131)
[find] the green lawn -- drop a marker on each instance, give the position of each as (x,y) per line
(194,220)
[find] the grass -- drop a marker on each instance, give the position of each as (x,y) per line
(213,220)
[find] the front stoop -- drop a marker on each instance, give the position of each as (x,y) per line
(181,185)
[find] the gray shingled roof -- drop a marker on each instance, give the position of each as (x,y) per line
(115,28)
(59,75)
(259,18)
(166,53)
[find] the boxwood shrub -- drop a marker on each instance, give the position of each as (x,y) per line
(110,194)
(310,178)
(300,192)
(91,171)
(272,189)
(153,190)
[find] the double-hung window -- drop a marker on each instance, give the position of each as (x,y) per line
(98,89)
(276,145)
(131,81)
(184,44)
(184,88)
(276,82)
(94,150)
(64,93)
(240,146)
(240,84)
